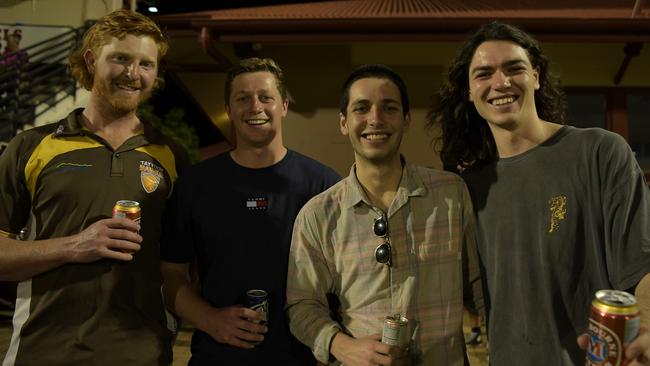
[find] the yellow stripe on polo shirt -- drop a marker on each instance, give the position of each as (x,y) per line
(7,234)
(165,157)
(48,149)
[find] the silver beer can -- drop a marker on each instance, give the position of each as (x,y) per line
(395,331)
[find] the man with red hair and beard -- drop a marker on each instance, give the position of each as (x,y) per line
(89,284)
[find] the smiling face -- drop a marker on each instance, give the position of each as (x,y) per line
(375,121)
(124,71)
(502,84)
(256,108)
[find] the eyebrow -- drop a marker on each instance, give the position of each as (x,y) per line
(130,55)
(505,64)
(366,101)
(249,91)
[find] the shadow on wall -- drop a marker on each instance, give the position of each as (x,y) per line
(314,75)
(316,84)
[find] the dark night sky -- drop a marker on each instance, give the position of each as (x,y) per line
(186,6)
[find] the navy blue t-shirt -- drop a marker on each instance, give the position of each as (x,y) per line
(237,223)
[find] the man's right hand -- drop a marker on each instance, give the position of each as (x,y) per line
(234,325)
(366,351)
(107,238)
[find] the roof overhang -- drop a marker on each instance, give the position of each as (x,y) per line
(418,20)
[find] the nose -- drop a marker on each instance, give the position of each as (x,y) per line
(256,105)
(132,71)
(374,117)
(502,80)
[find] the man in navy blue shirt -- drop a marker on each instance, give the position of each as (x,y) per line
(233,214)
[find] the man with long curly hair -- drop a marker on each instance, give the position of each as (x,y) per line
(89,284)
(562,212)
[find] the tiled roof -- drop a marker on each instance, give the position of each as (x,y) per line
(420,19)
(354,9)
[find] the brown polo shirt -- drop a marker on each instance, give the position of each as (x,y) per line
(101,313)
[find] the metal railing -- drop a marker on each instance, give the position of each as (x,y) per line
(36,76)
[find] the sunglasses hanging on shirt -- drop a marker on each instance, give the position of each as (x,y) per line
(383,253)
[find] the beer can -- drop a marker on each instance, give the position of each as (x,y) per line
(395,331)
(258,300)
(614,322)
(127,209)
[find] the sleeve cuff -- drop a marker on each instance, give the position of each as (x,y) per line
(324,341)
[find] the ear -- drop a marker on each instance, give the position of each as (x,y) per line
(285,107)
(407,121)
(343,124)
(89,58)
(227,108)
(536,76)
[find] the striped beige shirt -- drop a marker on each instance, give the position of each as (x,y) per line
(431,231)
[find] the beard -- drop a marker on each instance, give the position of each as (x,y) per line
(122,102)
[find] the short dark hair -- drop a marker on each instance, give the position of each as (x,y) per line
(466,137)
(255,64)
(374,71)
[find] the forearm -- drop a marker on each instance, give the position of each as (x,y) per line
(308,282)
(21,260)
(473,296)
(642,294)
(311,324)
(193,308)
(182,299)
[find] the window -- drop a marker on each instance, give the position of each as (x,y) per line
(625,111)
(638,113)
(587,110)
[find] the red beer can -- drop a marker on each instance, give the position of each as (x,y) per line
(127,209)
(614,322)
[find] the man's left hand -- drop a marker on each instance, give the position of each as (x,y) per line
(638,351)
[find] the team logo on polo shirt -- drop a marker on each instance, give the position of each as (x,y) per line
(150,175)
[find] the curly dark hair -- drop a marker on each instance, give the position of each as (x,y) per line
(466,138)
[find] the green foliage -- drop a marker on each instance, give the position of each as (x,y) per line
(174,127)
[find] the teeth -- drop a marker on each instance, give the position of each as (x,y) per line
(502,101)
(376,136)
(256,121)
(126,87)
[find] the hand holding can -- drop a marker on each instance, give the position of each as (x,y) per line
(614,322)
(258,300)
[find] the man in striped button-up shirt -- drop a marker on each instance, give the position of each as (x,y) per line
(391,238)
